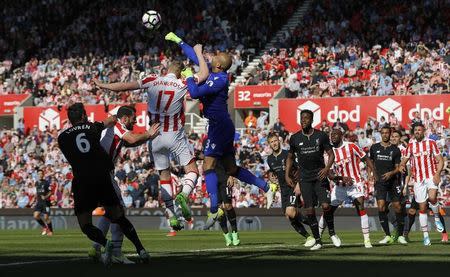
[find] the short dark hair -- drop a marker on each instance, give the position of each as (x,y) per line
(272,135)
(307,112)
(417,124)
(75,112)
(125,111)
(397,132)
(386,126)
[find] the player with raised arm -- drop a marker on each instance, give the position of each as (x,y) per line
(112,140)
(290,202)
(211,88)
(91,185)
(308,147)
(386,158)
(424,156)
(348,180)
(165,105)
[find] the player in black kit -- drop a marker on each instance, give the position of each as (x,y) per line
(386,158)
(92,185)
(309,145)
(43,204)
(290,202)
(226,183)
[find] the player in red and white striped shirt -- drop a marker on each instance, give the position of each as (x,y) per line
(426,159)
(166,105)
(112,140)
(348,179)
(408,182)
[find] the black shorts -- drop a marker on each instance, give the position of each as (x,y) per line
(288,198)
(225,192)
(42,207)
(388,191)
(90,193)
(315,192)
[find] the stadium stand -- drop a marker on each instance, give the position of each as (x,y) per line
(325,56)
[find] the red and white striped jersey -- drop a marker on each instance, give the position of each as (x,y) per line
(347,159)
(402,150)
(165,101)
(422,158)
(111,140)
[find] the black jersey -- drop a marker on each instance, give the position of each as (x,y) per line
(42,188)
(309,152)
(385,159)
(80,145)
(277,164)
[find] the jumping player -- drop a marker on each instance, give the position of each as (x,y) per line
(166,96)
(211,89)
(91,185)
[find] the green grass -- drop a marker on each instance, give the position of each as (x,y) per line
(194,253)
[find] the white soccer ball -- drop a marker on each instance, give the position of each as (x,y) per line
(151,20)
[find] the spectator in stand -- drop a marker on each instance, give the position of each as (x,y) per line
(250,120)
(127,199)
(278,125)
(261,122)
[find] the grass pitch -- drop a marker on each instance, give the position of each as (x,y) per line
(195,253)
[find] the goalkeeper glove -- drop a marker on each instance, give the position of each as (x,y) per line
(187,73)
(172,37)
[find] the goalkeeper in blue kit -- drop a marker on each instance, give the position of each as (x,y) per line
(211,88)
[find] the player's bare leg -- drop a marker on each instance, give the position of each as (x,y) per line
(167,195)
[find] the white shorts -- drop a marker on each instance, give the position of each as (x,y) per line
(340,193)
(421,189)
(173,145)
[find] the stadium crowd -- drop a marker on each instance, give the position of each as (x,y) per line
(118,47)
(356,48)
(340,48)
(22,155)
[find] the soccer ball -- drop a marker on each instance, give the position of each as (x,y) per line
(151,20)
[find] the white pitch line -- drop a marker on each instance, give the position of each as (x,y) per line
(163,253)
